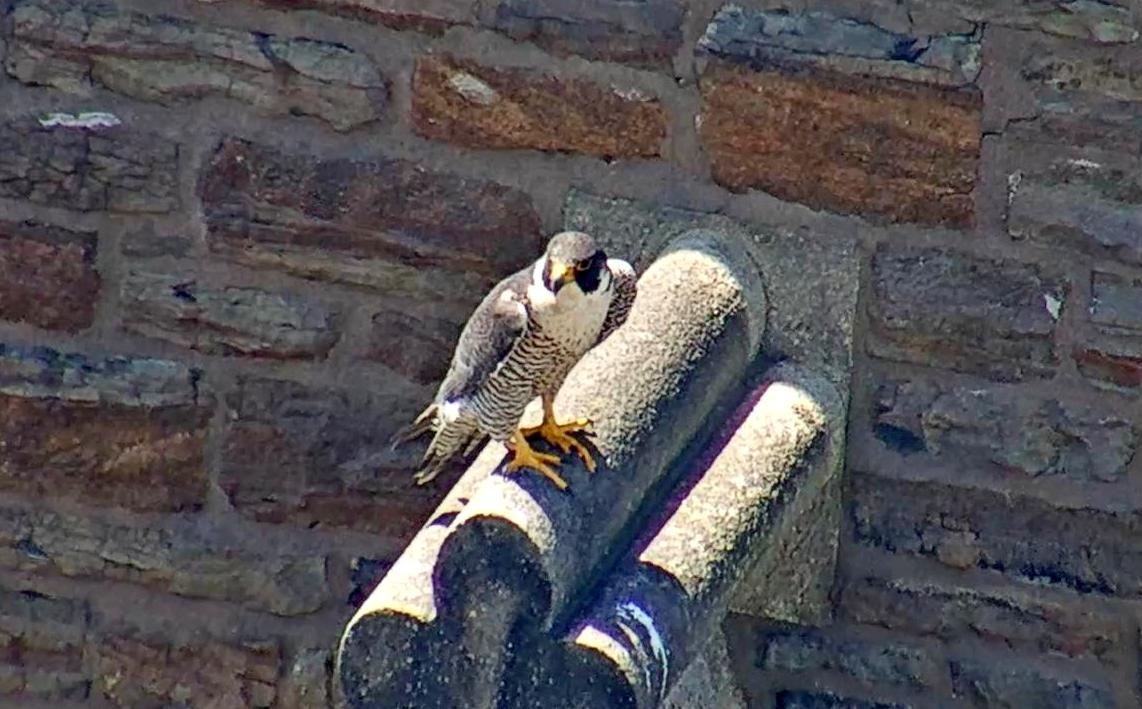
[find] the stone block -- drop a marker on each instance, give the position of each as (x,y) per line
(644,34)
(127,432)
(47,276)
(476,106)
(991,682)
(87,163)
(218,319)
(836,114)
(431,16)
(418,347)
(1006,427)
(980,315)
(74,45)
(388,224)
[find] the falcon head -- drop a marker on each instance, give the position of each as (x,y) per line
(573,260)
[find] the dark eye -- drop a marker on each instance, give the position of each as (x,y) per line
(582,266)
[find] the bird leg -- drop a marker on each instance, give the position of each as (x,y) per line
(524,456)
(557,433)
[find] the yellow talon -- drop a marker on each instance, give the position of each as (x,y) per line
(524,456)
(557,434)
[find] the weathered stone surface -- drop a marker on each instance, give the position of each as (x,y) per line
(75,44)
(316,456)
(41,645)
(98,167)
(433,16)
(868,662)
(306,681)
(1006,682)
(1090,201)
(225,319)
(148,241)
(894,150)
(1099,21)
(417,346)
(1084,549)
(477,106)
(47,276)
(1116,301)
(801,699)
(131,671)
(177,557)
(779,38)
(1007,427)
(1114,362)
(645,33)
(990,317)
(384,223)
(118,431)
(1006,617)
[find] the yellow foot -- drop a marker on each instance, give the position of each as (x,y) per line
(524,456)
(557,435)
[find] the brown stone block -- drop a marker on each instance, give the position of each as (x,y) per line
(219,319)
(136,672)
(310,456)
(901,151)
(462,102)
(1112,361)
(47,276)
(417,346)
(385,223)
(125,432)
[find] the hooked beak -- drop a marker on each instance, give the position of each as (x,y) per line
(559,275)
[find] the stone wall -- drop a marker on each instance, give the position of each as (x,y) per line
(238,238)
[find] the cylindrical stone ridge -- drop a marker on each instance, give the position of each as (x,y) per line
(655,611)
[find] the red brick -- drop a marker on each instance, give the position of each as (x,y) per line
(475,106)
(47,276)
(902,151)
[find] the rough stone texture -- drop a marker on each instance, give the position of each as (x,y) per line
(74,45)
(986,682)
(306,683)
(708,681)
(1003,616)
(137,672)
(175,557)
(1085,96)
(1023,537)
(835,114)
(1111,362)
(41,646)
(119,431)
(1116,301)
(1087,200)
(114,168)
(314,456)
(645,33)
(781,38)
(388,224)
(477,106)
(216,319)
(801,699)
(47,276)
(868,662)
(985,316)
(1005,426)
(418,347)
(1101,21)
(432,16)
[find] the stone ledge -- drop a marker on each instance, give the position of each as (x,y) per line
(507,582)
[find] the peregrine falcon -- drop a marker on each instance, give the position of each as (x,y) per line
(521,341)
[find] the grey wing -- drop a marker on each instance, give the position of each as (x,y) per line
(496,325)
(625,285)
